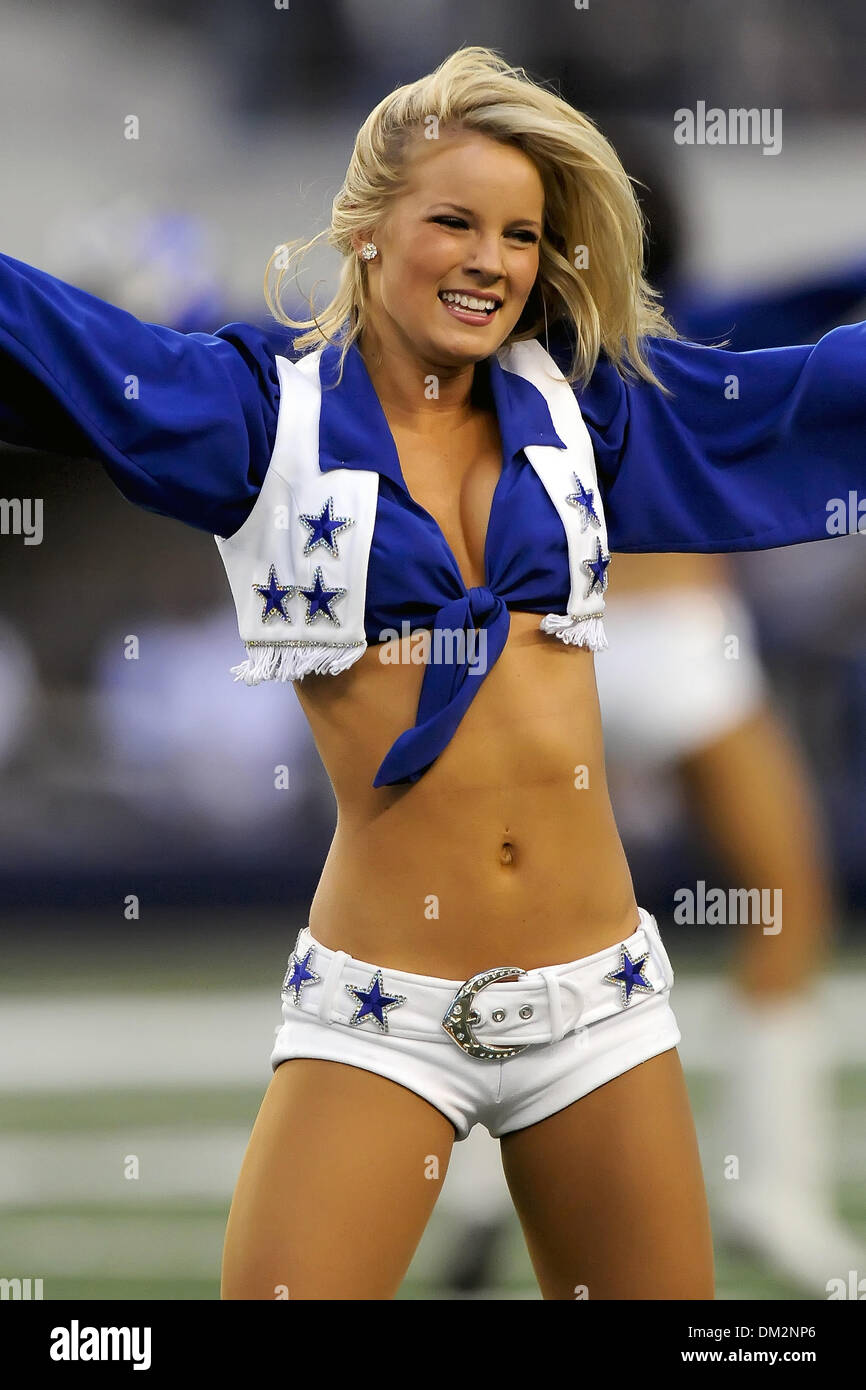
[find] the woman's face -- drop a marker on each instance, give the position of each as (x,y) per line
(469,220)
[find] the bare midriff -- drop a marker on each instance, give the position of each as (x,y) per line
(505,852)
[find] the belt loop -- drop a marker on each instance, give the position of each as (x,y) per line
(649,923)
(332,979)
(657,947)
(554,1001)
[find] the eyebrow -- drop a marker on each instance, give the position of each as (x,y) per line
(468,212)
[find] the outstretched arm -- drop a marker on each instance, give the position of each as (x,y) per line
(747,453)
(184,423)
(797,312)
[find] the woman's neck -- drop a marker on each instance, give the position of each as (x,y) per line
(421,398)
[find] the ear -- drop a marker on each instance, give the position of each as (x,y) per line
(360,239)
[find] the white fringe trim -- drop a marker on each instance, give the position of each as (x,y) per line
(272,662)
(581,632)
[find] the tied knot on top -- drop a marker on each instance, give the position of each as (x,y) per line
(457,646)
(482,602)
(483,609)
(456,652)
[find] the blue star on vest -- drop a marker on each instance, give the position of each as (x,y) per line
(583,499)
(324,527)
(630,975)
(319,599)
(274,595)
(597,569)
(298,975)
(374,1003)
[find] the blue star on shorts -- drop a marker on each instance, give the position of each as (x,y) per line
(374,1002)
(298,975)
(630,975)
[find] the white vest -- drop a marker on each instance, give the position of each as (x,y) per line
(291,646)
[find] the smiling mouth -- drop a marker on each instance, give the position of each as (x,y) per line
(478,306)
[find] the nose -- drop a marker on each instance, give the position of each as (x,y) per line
(486,260)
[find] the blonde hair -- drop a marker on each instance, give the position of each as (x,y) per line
(589,205)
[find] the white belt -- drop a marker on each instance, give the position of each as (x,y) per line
(487,1016)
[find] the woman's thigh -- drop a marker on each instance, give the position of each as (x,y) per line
(610,1192)
(342,1171)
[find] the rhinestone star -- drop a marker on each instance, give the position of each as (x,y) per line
(374,1003)
(630,975)
(298,975)
(274,595)
(324,527)
(319,599)
(597,569)
(583,499)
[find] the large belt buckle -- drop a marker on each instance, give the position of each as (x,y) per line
(460,1015)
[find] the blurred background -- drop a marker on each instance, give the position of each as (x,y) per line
(154,865)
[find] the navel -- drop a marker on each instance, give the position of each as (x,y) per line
(506,852)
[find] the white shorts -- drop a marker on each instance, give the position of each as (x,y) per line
(672,680)
(578,1030)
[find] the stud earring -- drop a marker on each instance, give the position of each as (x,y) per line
(369,251)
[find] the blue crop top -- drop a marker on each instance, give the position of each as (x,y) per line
(525,551)
(749,451)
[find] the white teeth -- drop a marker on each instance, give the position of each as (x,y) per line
(468,301)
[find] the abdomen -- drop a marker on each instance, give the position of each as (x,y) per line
(505,850)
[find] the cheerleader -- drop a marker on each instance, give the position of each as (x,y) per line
(673,706)
(416,520)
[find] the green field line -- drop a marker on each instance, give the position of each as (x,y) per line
(58,1111)
(53,1111)
(738,1276)
(189,962)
